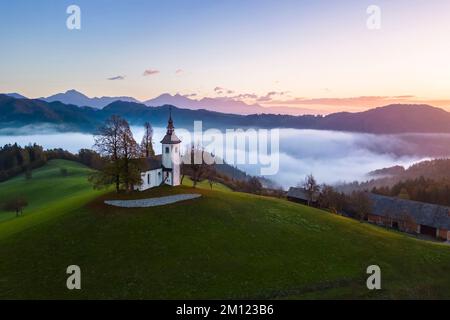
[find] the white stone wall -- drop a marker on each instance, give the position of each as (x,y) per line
(176,175)
(151,179)
(167,157)
(172,161)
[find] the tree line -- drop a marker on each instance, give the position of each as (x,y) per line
(15,159)
(356,204)
(437,170)
(419,189)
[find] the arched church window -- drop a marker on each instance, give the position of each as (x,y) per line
(167,149)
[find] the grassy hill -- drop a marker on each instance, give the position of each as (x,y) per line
(48,193)
(205,185)
(223,245)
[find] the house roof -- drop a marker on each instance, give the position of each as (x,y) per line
(300,193)
(153,163)
(427,214)
(170,139)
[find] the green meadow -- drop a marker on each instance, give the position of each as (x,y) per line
(222,245)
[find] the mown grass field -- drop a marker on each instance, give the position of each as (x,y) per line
(223,245)
(49,194)
(205,185)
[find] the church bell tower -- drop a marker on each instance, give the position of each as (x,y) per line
(171,155)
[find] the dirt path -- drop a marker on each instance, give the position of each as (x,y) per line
(152,202)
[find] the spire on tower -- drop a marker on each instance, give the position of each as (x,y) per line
(170,137)
(170,127)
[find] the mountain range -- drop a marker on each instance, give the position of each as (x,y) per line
(219,104)
(223,105)
(16,95)
(391,119)
(79,99)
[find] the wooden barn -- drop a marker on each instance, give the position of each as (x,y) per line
(411,216)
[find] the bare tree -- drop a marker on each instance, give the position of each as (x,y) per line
(254,185)
(361,204)
(107,143)
(114,141)
(311,188)
(147,141)
(331,199)
(128,155)
(211,176)
(193,160)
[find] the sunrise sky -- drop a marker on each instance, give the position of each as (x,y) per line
(308,54)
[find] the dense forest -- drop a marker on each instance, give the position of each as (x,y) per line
(426,181)
(420,189)
(437,170)
(15,159)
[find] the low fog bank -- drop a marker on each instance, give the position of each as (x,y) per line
(332,157)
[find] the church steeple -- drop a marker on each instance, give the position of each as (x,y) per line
(170,137)
(170,127)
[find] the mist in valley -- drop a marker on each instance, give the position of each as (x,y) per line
(331,156)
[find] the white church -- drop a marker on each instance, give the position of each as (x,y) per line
(164,168)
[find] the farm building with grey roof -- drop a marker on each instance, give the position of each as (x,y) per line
(411,216)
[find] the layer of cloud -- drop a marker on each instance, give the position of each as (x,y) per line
(150,72)
(325,105)
(331,156)
(359,103)
(270,95)
(219,90)
(245,96)
(116,78)
(232,95)
(348,101)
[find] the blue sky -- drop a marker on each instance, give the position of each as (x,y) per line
(306,49)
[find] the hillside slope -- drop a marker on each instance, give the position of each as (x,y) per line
(48,194)
(223,245)
(25,112)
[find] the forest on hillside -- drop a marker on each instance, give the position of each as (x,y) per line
(15,159)
(426,181)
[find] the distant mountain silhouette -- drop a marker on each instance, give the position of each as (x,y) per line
(223,105)
(219,104)
(79,99)
(395,118)
(22,112)
(386,120)
(16,95)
